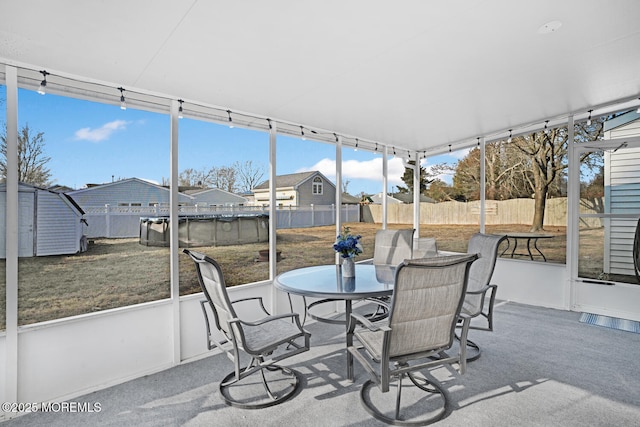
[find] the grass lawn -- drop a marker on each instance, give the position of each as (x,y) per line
(120,272)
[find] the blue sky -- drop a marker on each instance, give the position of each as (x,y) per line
(89,142)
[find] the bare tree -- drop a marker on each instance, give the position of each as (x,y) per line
(248,174)
(188,177)
(547,153)
(345,185)
(204,178)
(32,161)
(225,178)
(503,173)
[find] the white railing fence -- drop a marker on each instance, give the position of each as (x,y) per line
(124,221)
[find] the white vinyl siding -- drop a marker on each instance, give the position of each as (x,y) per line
(58,225)
(48,223)
(129,192)
(622,196)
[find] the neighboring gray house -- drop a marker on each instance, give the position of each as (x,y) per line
(408,198)
(49,223)
(215,197)
(348,199)
(126,192)
(622,194)
(377,199)
(298,189)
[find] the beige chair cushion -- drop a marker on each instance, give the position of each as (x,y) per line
(425,247)
(393,246)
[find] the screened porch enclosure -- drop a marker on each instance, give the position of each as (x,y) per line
(404,83)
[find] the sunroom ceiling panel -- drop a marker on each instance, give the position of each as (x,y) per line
(411,74)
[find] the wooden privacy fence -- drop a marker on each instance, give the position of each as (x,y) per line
(513,211)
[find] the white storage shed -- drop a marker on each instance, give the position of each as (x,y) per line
(49,223)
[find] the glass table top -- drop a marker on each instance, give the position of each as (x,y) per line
(326,281)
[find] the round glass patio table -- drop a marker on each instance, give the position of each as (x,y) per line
(528,237)
(326,282)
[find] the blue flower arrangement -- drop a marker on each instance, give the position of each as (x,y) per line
(348,245)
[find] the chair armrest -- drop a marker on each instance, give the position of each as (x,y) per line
(483,290)
(294,316)
(203,306)
(357,318)
(463,316)
(259,299)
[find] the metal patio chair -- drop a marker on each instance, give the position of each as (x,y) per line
(392,247)
(486,246)
(425,247)
(427,298)
(266,342)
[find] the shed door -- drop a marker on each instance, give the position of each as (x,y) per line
(25,224)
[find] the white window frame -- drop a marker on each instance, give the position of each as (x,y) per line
(317,186)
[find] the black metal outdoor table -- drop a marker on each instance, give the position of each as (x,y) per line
(529,237)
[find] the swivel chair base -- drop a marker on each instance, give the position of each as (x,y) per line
(438,405)
(269,386)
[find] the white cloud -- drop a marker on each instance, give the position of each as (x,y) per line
(461,154)
(355,169)
(101,133)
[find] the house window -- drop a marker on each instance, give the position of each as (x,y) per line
(317,185)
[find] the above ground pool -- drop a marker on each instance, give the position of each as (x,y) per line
(209,230)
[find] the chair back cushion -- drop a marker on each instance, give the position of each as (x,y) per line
(427,298)
(425,247)
(486,246)
(393,246)
(214,289)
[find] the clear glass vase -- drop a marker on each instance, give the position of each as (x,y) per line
(348,267)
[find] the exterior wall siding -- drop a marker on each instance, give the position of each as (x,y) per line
(48,224)
(306,196)
(127,191)
(283,197)
(299,193)
(630,129)
(58,229)
(622,196)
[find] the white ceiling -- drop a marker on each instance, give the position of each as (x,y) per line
(413,74)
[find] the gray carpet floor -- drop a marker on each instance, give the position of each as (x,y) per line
(540,367)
